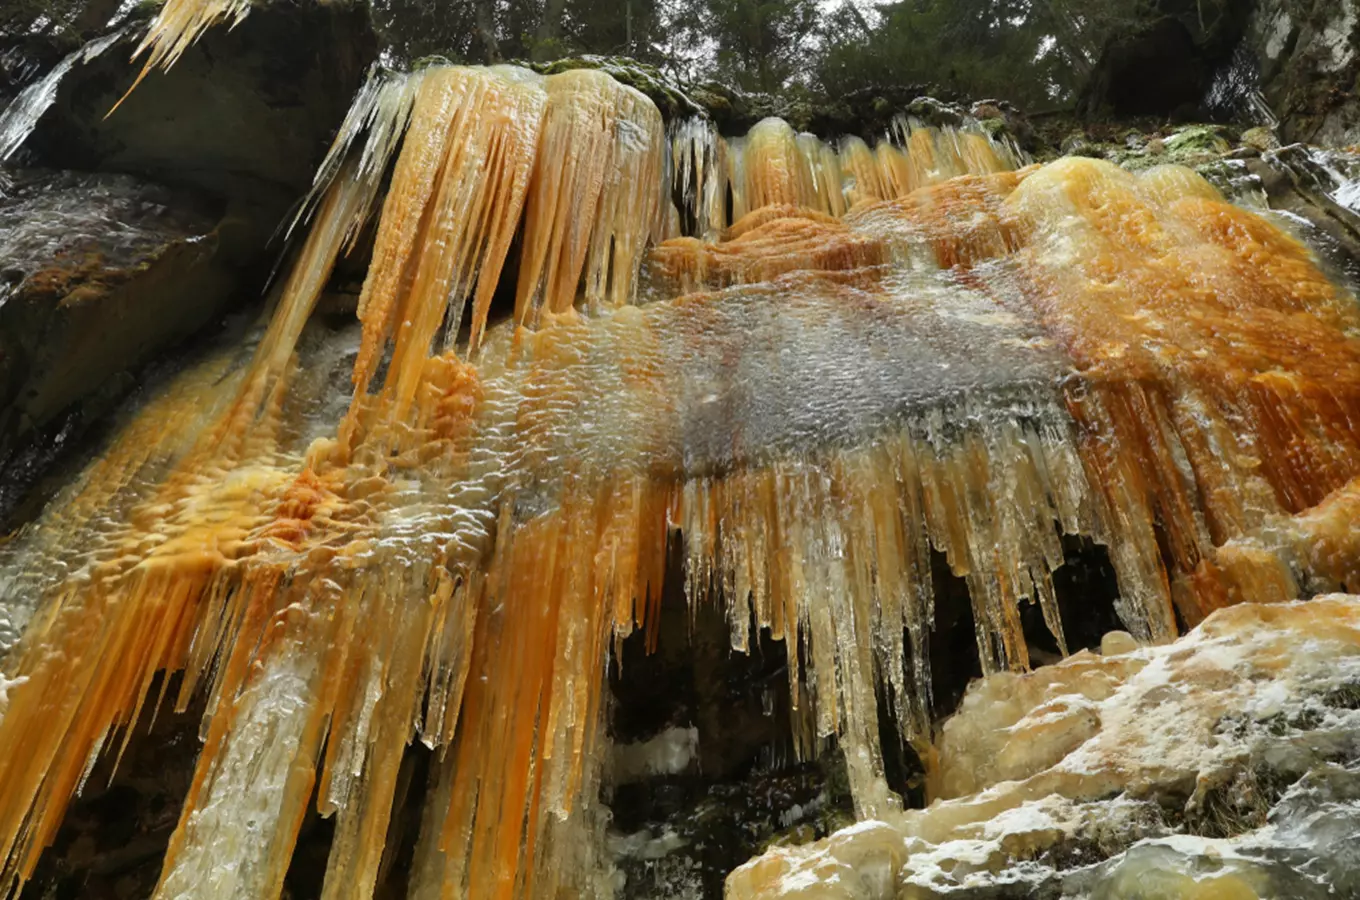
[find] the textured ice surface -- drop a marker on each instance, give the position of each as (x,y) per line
(884,360)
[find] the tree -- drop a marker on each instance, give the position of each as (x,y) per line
(1035,52)
(762,44)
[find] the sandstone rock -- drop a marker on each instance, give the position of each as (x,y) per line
(1117,642)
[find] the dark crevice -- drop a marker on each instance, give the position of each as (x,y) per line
(307,868)
(954,658)
(1086,588)
(114,835)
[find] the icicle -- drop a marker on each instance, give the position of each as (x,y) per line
(21,116)
(178,24)
(1226,321)
(449,217)
(824,170)
(600,163)
(776,169)
(382,111)
(901,354)
(699,173)
(863,178)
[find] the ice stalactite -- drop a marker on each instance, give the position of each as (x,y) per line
(862,367)
(604,144)
(698,156)
(721,180)
(450,214)
(177,25)
(1221,375)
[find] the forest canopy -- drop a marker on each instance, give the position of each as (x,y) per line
(1035,52)
(1038,53)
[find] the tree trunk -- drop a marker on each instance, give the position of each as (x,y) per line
(485,13)
(1077,46)
(549,30)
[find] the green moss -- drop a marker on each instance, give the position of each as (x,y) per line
(433,59)
(935,112)
(1345,697)
(994,128)
(1260,138)
(1197,140)
(1225,174)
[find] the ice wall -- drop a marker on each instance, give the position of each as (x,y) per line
(437,526)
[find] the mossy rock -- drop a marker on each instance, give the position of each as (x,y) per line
(664,91)
(936,112)
(1197,140)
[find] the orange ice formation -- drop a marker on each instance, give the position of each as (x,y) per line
(810,367)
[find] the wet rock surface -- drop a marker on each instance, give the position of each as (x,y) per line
(1307,56)
(246,113)
(99,273)
(25,57)
(1317,188)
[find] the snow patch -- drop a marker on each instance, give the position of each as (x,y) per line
(668,753)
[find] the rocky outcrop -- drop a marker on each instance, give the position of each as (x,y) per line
(1291,62)
(1318,188)
(245,115)
(1224,765)
(97,273)
(1307,57)
(198,167)
(1166,66)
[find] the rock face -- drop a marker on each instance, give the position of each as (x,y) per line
(1307,53)
(1317,188)
(99,272)
(1224,765)
(246,111)
(103,272)
(1295,61)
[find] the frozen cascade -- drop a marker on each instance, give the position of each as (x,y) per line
(869,359)
(18,120)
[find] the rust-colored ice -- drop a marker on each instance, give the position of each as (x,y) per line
(856,359)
